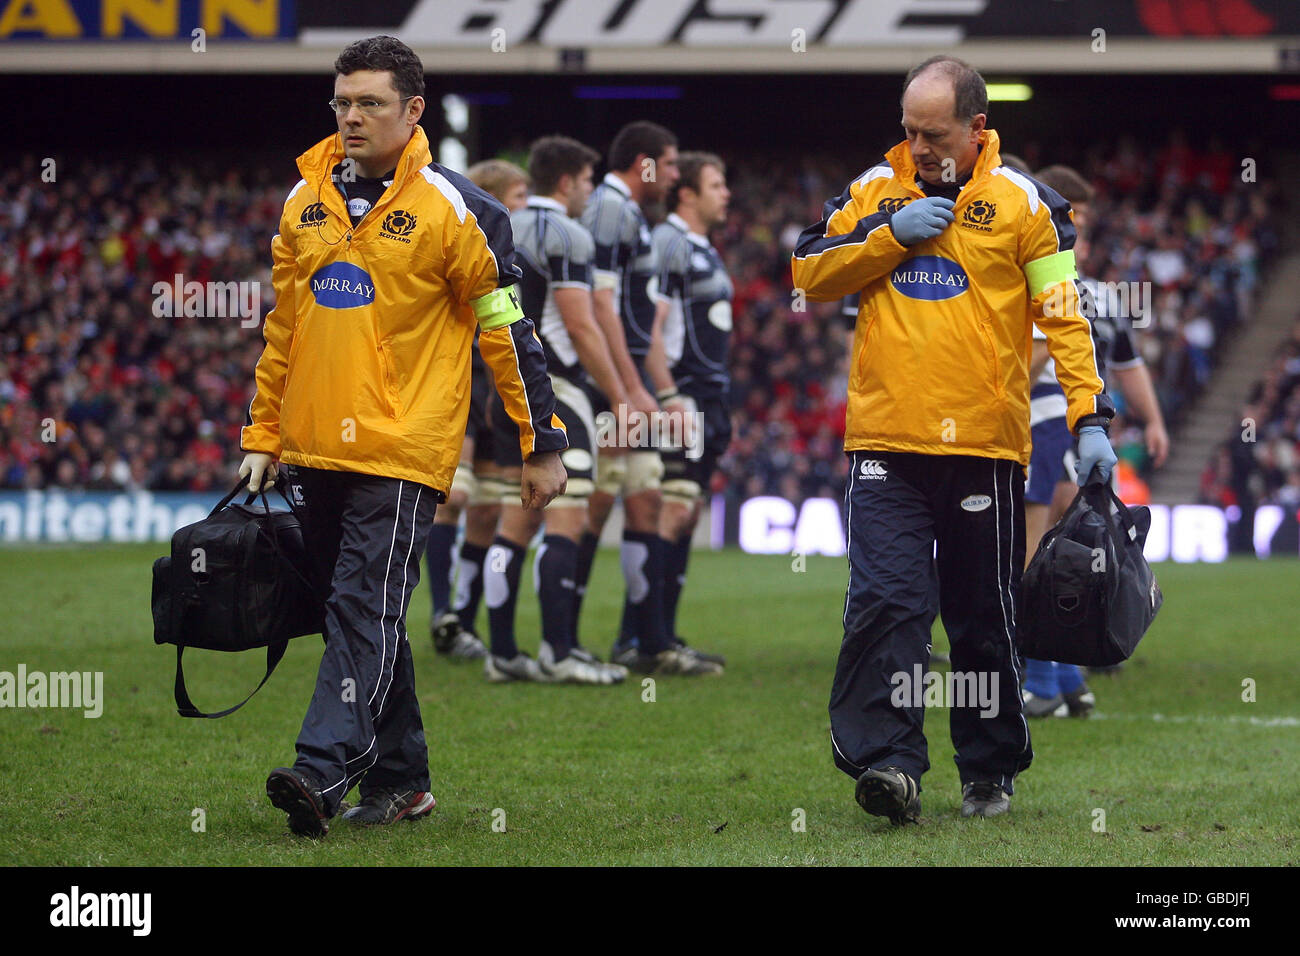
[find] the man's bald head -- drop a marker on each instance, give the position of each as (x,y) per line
(944,103)
(969,96)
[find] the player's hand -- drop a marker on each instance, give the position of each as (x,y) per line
(1157,443)
(921,219)
(642,401)
(259,469)
(1094,452)
(684,408)
(543,478)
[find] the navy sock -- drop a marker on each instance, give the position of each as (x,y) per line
(586,556)
(501,571)
(676,555)
(442,539)
(554,568)
(642,556)
(469,583)
(1068,678)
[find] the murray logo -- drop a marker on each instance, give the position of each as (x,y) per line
(929,278)
(872,468)
(341,285)
(978,215)
(75,908)
(398,224)
(976,502)
(893,204)
(312,215)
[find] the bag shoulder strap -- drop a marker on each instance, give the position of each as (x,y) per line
(185,707)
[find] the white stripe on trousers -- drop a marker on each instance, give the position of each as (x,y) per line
(1004,593)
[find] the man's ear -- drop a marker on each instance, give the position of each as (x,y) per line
(977,124)
(414,109)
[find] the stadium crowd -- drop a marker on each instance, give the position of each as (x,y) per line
(134,400)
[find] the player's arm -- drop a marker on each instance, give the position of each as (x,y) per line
(607,318)
(508,343)
(1135,381)
(656,360)
(574,303)
(852,246)
(1056,307)
(260,436)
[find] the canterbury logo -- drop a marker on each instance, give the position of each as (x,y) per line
(313,214)
(872,468)
(891,206)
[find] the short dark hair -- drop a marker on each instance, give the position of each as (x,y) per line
(970,97)
(551,157)
(384,53)
(691,167)
(1072,187)
(635,139)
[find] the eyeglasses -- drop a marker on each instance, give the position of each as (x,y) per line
(368,106)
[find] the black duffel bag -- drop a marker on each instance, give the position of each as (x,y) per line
(1088,596)
(234,581)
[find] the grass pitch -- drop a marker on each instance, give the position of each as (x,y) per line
(713,771)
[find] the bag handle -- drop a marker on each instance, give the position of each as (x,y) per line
(185,707)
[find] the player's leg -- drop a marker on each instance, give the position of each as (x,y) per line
(687,472)
(610,475)
(641,555)
(979,508)
(364,710)
(555,567)
(876,706)
(444,626)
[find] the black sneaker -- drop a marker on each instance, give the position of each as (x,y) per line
(681,645)
(889,792)
(298,795)
(984,798)
(383,807)
(668,661)
(1080,701)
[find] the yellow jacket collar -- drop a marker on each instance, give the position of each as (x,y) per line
(318,162)
(900,158)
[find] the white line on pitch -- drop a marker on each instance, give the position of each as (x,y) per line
(1204,719)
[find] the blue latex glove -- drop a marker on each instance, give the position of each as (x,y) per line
(1094,451)
(921,219)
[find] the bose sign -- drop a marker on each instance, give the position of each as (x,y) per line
(651,23)
(1183,533)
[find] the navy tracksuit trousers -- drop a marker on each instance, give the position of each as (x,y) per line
(899,505)
(365,535)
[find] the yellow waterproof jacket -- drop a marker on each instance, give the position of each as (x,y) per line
(941,350)
(367,359)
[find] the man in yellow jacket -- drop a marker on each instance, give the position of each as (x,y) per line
(383,265)
(953,254)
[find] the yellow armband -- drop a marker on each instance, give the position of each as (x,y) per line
(1050,270)
(497,309)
